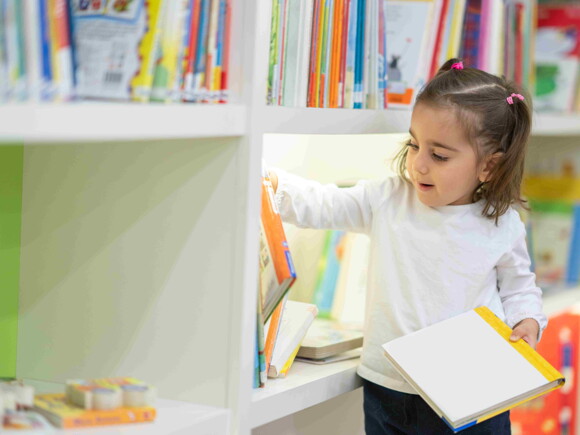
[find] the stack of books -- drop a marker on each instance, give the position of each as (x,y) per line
(141,50)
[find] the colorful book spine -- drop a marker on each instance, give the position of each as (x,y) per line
(148,50)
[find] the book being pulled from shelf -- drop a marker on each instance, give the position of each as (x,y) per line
(468,370)
(326,338)
(277,272)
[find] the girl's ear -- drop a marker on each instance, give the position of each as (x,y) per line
(488,165)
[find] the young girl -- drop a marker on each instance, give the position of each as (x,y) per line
(444,236)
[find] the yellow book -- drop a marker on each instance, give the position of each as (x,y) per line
(468,371)
(148,50)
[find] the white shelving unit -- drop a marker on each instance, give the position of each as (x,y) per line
(140,234)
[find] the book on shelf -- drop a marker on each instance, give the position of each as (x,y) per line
(553,222)
(326,338)
(467,369)
(277,272)
(58,50)
(62,414)
(296,319)
(329,265)
(343,356)
(320,56)
(557,51)
(271,329)
(348,304)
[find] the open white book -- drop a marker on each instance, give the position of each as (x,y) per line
(468,371)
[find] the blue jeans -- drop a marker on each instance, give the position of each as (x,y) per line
(391,412)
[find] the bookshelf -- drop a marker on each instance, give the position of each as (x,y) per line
(139,236)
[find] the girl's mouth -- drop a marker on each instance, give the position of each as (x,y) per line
(425,186)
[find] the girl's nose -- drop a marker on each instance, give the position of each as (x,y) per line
(421,165)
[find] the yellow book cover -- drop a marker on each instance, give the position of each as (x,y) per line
(62,414)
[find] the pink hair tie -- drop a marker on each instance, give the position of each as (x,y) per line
(457,65)
(510,99)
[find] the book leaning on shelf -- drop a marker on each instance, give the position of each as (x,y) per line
(468,370)
(277,272)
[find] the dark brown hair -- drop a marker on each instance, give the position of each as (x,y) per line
(491,125)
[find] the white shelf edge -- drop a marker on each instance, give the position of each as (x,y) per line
(306,385)
(289,120)
(173,417)
(100,121)
(558,299)
(556,124)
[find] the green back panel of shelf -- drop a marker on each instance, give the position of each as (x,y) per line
(11,158)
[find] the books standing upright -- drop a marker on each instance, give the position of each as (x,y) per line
(468,371)
(276,268)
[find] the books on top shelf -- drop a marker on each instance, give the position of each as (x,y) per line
(467,370)
(326,338)
(165,50)
(375,54)
(558,58)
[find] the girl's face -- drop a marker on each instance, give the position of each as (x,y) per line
(441,163)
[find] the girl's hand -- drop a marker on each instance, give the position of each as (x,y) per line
(273,179)
(527,329)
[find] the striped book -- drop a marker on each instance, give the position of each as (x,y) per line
(468,370)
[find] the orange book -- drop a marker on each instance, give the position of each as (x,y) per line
(335,55)
(276,267)
(62,414)
(272,334)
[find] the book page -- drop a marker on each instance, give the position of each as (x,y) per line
(464,365)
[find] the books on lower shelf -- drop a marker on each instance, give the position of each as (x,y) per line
(326,338)
(296,319)
(467,370)
(65,415)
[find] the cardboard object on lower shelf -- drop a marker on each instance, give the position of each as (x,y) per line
(60,413)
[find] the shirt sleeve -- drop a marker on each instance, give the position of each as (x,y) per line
(520,296)
(310,204)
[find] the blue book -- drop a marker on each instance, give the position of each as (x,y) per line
(201,51)
(47,89)
(328,269)
(359,64)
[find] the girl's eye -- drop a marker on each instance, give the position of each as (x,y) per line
(412,145)
(440,158)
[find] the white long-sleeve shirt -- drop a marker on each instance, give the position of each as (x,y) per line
(425,264)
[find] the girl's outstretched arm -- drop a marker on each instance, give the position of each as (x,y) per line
(310,204)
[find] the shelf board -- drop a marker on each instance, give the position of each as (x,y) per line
(96,121)
(554,124)
(306,385)
(173,417)
(289,120)
(558,299)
